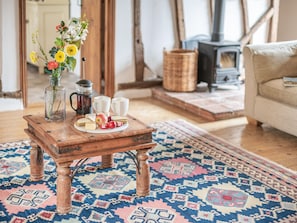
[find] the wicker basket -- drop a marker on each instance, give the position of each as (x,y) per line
(180,70)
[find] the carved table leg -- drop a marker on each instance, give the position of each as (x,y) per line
(64,188)
(143,175)
(36,162)
(107,161)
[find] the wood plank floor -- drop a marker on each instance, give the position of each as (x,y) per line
(264,141)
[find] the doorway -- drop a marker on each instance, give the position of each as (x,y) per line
(42,17)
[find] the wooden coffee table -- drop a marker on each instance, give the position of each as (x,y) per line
(64,143)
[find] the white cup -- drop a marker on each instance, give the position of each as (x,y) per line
(102,104)
(120,106)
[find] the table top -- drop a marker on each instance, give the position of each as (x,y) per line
(62,139)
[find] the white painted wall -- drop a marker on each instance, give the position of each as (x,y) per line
(158,32)
(196,13)
(287,21)
(10,45)
(123,42)
(9,61)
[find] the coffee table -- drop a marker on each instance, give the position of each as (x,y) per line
(64,144)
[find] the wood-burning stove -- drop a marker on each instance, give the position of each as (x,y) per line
(218,61)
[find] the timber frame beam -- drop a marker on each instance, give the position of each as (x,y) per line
(100,45)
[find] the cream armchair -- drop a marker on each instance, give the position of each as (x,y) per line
(266,98)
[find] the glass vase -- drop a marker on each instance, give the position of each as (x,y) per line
(55,100)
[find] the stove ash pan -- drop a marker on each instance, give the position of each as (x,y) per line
(218,63)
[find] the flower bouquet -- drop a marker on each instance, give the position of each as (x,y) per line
(62,56)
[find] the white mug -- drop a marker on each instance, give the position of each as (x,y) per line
(120,106)
(102,104)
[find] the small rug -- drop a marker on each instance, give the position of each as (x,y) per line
(195,177)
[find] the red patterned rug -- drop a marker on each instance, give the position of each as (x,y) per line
(195,177)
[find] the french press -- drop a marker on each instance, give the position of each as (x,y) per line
(84,97)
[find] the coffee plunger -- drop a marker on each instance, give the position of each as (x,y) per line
(84,93)
(84,97)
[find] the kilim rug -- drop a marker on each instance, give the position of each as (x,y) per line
(195,177)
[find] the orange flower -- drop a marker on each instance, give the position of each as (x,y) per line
(51,65)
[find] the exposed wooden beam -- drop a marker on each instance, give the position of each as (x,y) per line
(15,94)
(180,21)
(245,18)
(138,45)
(91,49)
(272,37)
(109,52)
(22,52)
(140,84)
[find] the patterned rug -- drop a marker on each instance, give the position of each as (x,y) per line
(195,177)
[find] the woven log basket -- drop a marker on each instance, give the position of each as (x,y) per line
(180,70)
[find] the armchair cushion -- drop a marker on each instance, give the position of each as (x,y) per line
(275,90)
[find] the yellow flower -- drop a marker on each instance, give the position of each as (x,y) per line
(71,50)
(60,56)
(33,57)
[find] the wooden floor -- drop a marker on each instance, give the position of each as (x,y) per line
(264,141)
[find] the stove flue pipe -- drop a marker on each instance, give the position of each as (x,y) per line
(218,21)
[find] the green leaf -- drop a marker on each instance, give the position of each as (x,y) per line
(59,42)
(47,71)
(71,62)
(53,51)
(77,43)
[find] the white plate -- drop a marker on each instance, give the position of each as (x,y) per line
(117,129)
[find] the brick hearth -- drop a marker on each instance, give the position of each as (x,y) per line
(218,105)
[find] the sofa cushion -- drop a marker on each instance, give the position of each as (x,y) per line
(276,90)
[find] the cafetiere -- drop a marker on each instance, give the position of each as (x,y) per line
(83,97)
